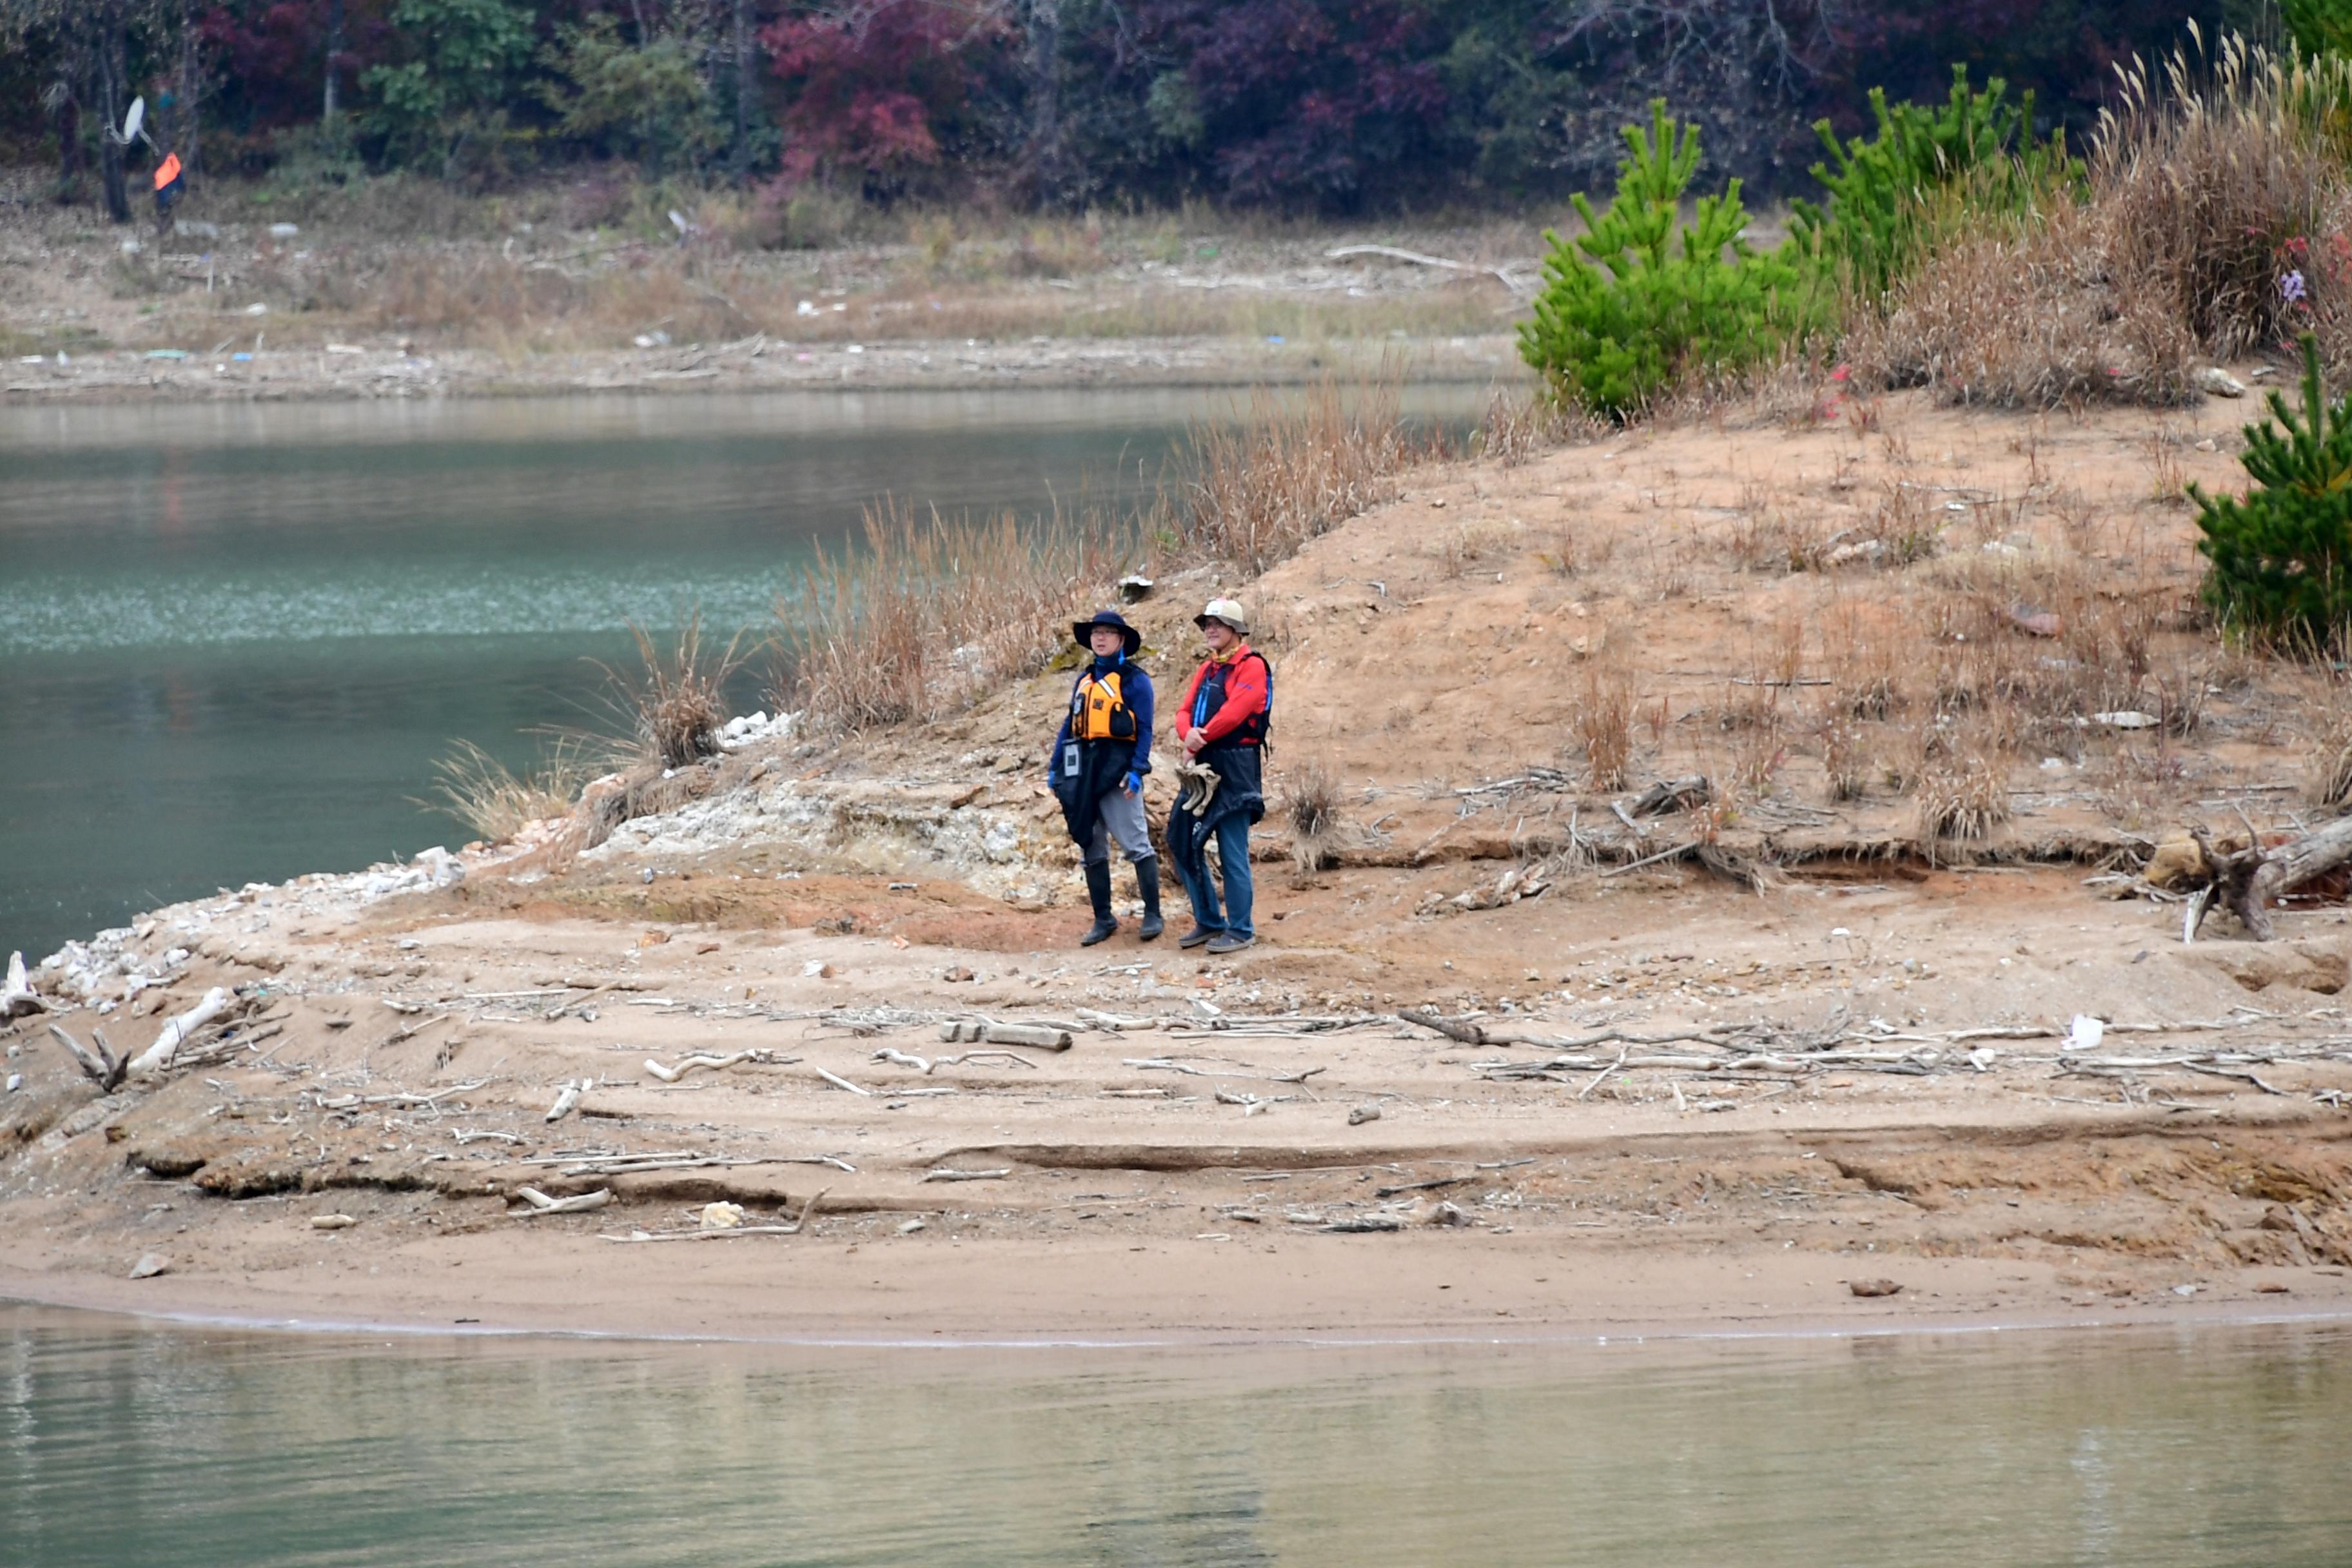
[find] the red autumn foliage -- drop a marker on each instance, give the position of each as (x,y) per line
(875,82)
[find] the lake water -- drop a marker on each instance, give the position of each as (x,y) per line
(234,637)
(123,1443)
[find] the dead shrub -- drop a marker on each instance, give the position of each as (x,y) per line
(1604,724)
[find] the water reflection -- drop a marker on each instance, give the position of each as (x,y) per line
(2150,1449)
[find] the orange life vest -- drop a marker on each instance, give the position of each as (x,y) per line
(1098,711)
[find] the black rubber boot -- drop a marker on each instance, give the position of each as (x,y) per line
(1147,882)
(1099,890)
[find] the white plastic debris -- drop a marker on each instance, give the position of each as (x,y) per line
(2085,1033)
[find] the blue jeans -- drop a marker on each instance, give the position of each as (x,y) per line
(1232,850)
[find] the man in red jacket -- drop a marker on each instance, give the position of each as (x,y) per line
(1222,724)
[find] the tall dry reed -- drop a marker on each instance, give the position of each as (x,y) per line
(2215,224)
(2218,176)
(932,614)
(1296,469)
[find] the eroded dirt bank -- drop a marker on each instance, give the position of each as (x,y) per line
(1679,1090)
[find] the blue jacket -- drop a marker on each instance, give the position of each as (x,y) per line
(1135,686)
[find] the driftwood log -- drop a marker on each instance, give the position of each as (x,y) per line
(2245,881)
(158,1057)
(99,1064)
(16,993)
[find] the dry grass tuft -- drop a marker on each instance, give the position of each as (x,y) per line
(494,802)
(1752,719)
(1861,654)
(1521,424)
(1963,791)
(678,702)
(1309,800)
(2213,180)
(1845,756)
(932,614)
(1767,537)
(1470,544)
(2329,782)
(1604,724)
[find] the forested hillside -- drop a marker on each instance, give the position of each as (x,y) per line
(1304,106)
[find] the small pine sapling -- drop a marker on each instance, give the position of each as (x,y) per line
(1881,218)
(1640,300)
(2281,558)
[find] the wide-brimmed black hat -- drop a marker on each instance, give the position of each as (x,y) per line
(1083,631)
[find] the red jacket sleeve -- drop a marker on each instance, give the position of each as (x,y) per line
(1245,697)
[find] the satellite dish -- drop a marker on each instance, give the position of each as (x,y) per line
(132,121)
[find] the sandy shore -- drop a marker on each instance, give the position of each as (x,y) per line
(1133,1199)
(1673,1099)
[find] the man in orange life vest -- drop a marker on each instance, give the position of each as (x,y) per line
(1100,756)
(167,190)
(1222,724)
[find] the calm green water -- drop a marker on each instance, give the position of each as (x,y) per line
(129,1445)
(234,638)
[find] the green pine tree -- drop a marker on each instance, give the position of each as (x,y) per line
(1639,300)
(2281,558)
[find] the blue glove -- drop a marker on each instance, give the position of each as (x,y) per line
(1134,784)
